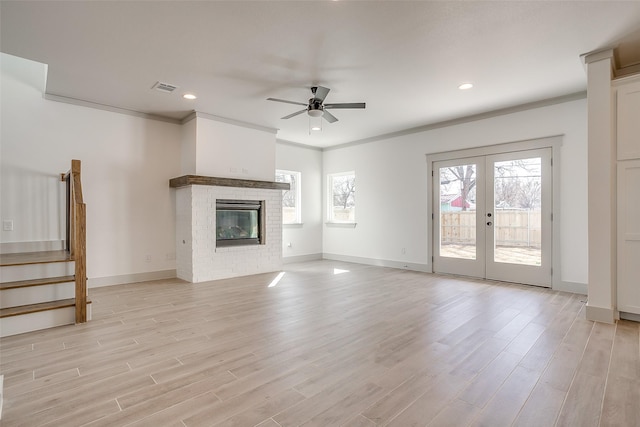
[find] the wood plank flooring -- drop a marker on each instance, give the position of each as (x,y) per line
(331,344)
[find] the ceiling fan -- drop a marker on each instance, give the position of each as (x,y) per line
(316,108)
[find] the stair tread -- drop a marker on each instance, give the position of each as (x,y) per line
(36,282)
(34,258)
(34,308)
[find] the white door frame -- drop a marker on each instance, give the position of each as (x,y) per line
(553,142)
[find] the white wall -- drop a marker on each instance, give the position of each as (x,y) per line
(305,239)
(232,151)
(126,166)
(391,195)
(188,148)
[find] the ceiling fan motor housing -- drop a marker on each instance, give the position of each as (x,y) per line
(315,108)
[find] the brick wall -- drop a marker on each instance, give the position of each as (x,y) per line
(198,259)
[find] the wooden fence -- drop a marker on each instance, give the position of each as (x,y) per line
(512,228)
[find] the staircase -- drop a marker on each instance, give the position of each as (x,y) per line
(40,290)
(37,291)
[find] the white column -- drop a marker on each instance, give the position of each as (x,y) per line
(601,188)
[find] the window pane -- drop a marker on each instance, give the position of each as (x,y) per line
(517,207)
(291,210)
(458,211)
(342,197)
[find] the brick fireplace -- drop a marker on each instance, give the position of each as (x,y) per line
(198,257)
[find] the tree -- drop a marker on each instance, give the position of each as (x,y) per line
(518,184)
(529,196)
(466,176)
(289,196)
(344,190)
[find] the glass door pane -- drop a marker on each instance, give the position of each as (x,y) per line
(517,229)
(458,211)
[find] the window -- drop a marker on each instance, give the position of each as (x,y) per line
(342,197)
(291,206)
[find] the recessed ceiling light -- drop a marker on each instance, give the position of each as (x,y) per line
(465,86)
(189,96)
(316,128)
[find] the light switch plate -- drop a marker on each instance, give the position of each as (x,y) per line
(7,225)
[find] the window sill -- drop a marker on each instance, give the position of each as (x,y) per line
(293,225)
(341,224)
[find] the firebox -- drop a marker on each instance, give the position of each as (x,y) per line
(239,222)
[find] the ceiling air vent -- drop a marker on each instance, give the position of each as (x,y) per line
(164,87)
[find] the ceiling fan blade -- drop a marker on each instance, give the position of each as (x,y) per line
(321,93)
(286,102)
(294,114)
(346,105)
(329,117)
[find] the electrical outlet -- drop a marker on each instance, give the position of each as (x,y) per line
(7,225)
(147,258)
(403,251)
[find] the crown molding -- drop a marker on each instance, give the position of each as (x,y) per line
(201,115)
(597,55)
(134,113)
(111,108)
(298,145)
(482,116)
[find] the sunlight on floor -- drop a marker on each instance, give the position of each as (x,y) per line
(339,271)
(276,280)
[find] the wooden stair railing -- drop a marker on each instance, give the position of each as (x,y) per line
(77,237)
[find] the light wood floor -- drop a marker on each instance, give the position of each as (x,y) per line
(369,346)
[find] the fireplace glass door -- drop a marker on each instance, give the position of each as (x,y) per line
(238,222)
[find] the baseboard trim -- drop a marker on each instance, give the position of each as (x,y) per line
(424,268)
(301,258)
(98,282)
(34,246)
(600,314)
(630,316)
(574,288)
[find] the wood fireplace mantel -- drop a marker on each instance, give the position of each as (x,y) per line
(186,180)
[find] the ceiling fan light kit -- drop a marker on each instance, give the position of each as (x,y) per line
(314,113)
(315,124)
(316,107)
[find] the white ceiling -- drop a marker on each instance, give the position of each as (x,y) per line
(404,59)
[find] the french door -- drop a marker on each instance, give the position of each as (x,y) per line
(492,216)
